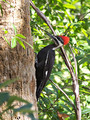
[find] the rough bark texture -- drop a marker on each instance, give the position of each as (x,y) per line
(17,62)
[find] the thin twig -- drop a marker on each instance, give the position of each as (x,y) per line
(63,93)
(74,60)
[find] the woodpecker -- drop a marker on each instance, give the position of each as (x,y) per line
(45,61)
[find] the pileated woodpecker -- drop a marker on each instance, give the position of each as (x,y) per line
(45,60)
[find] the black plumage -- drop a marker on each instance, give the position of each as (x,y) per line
(44,64)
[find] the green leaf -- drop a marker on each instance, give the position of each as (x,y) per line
(5,31)
(4,96)
(13,42)
(1,9)
(86,110)
(69,6)
(6,40)
(67,102)
(28,44)
(15,30)
(67,108)
(79,57)
(45,100)
(88,98)
(84,32)
(88,40)
(15,98)
(59,73)
(4,0)
(84,91)
(20,42)
(21,36)
(24,108)
(12,6)
(31,116)
(55,89)
(1,118)
(86,59)
(7,82)
(47,90)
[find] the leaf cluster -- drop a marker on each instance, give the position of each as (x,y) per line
(16,38)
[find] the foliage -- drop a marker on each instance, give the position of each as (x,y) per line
(9,101)
(16,38)
(70,17)
(1,9)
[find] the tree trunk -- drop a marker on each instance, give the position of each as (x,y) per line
(17,62)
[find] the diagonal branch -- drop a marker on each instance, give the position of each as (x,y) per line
(42,16)
(64,94)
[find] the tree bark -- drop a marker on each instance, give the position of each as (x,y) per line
(17,62)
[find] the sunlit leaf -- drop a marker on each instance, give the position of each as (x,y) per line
(15,30)
(13,42)
(70,6)
(20,42)
(84,32)
(5,31)
(28,44)
(21,36)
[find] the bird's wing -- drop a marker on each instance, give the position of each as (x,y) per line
(46,70)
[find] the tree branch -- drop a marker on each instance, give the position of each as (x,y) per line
(42,16)
(74,59)
(63,93)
